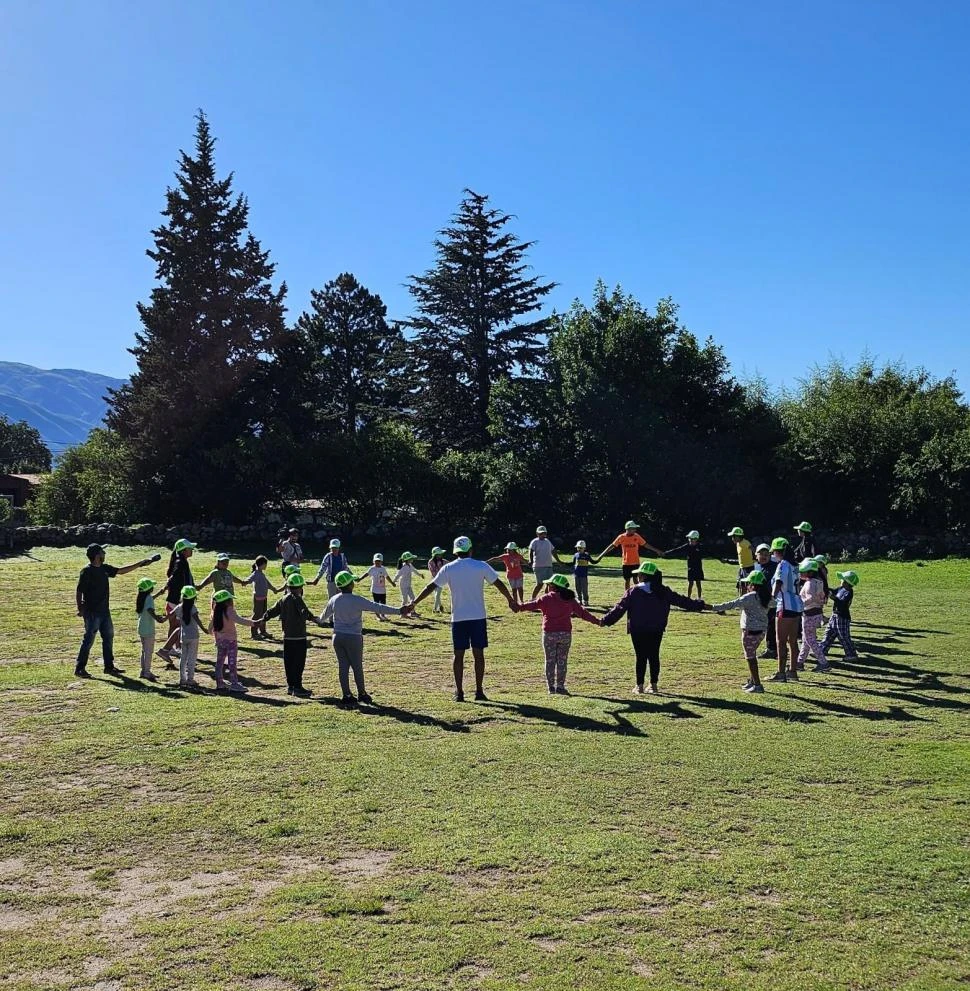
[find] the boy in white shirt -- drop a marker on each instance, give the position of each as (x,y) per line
(379,577)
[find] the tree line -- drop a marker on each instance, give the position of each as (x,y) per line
(477,408)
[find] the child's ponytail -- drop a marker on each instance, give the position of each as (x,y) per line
(261,560)
(219,615)
(140,601)
(566,593)
(173,559)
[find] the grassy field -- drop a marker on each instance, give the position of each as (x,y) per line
(811,837)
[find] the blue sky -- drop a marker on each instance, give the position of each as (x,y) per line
(793,174)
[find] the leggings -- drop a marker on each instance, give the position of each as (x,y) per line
(227,652)
(646,646)
(190,651)
(555,646)
(582,587)
(407,594)
(147,649)
(810,644)
(750,642)
(437,598)
(772,633)
(349,651)
(294,661)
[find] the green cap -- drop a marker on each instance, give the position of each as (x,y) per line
(511,546)
(822,558)
(189,592)
(146,585)
(223,595)
(462,545)
(223,557)
(631,525)
(647,568)
(184,545)
(407,556)
(343,578)
(291,569)
(296,581)
(560,581)
(693,535)
(808,565)
(849,577)
(804,527)
(735,532)
(437,551)
(779,544)
(755,578)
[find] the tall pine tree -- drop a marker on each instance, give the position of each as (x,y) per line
(351,365)
(192,410)
(468,328)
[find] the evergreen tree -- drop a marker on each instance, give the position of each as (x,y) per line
(352,358)
(208,333)
(468,333)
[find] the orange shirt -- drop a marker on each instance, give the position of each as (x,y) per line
(630,544)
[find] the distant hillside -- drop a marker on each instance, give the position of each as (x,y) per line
(62,403)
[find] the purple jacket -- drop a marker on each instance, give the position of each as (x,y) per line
(647,609)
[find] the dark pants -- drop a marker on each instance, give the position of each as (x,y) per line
(95,623)
(647,648)
(772,633)
(294,661)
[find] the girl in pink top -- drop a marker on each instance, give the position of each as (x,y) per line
(224,619)
(812,594)
(558,605)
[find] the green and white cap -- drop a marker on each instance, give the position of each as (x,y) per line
(560,581)
(822,558)
(146,585)
(648,568)
(804,527)
(335,544)
(735,531)
(437,551)
(343,579)
(296,581)
(849,576)
(378,557)
(755,578)
(189,592)
(184,545)
(223,557)
(223,595)
(693,535)
(291,569)
(407,556)
(808,565)
(511,546)
(541,529)
(779,543)
(631,525)
(580,545)
(462,545)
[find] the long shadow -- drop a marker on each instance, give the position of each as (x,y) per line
(262,651)
(751,708)
(670,707)
(420,719)
(879,665)
(923,701)
(568,720)
(894,713)
(882,649)
(906,630)
(131,684)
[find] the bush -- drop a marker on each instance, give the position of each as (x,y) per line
(899,554)
(863,554)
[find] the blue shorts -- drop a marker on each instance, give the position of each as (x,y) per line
(543,574)
(469,633)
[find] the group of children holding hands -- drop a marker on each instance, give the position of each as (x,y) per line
(783,591)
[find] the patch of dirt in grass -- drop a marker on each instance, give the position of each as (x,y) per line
(266,984)
(643,970)
(549,945)
(363,865)
(765,896)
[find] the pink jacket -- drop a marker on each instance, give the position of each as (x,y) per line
(557,612)
(812,594)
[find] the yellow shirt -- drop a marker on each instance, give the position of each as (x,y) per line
(745,557)
(630,544)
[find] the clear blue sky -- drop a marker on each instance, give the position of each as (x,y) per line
(794,174)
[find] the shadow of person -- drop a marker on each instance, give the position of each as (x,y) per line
(569,720)
(422,719)
(894,713)
(133,684)
(749,708)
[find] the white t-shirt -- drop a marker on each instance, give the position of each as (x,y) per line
(541,551)
(466,578)
(378,579)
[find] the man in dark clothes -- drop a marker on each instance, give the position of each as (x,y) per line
(92,597)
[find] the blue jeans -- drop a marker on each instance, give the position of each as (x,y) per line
(94,623)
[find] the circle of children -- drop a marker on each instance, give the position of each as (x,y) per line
(782,591)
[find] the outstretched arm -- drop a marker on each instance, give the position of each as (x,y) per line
(423,594)
(139,564)
(504,589)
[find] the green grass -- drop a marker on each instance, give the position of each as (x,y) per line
(812,837)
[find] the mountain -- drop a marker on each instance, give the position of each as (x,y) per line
(62,403)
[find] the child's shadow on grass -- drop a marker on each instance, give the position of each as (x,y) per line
(750,708)
(568,720)
(130,684)
(906,631)
(894,713)
(419,718)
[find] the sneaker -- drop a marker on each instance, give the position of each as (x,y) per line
(638,689)
(458,697)
(562,690)
(552,690)
(793,676)
(302,693)
(480,696)
(800,666)
(365,699)
(183,684)
(652,690)
(779,676)
(821,668)
(238,686)
(111,669)
(769,654)
(149,677)
(347,702)
(756,690)
(194,685)
(165,655)
(81,673)
(220,686)
(747,685)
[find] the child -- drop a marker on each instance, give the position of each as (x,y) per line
(514,561)
(190,623)
(435,563)
(754,623)
(344,609)
(147,618)
(224,619)
(293,614)
(558,605)
(179,575)
(405,574)
(582,559)
(823,577)
(695,564)
(647,609)
(629,542)
(220,577)
(334,561)
(806,545)
(766,564)
(841,621)
(379,577)
(262,586)
(788,611)
(813,598)
(745,557)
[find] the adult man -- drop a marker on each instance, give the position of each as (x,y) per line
(290,549)
(92,597)
(629,543)
(541,555)
(466,578)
